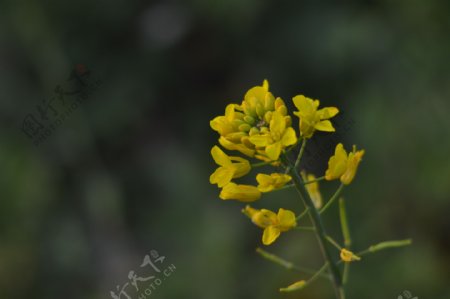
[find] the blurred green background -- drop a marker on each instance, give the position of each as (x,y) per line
(127,172)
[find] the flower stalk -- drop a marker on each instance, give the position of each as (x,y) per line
(319,229)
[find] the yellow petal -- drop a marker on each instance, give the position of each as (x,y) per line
(220,157)
(286,220)
(236,147)
(256,95)
(337,163)
(304,105)
(327,112)
(221,176)
(325,126)
(265,182)
(221,125)
(241,168)
(245,193)
(260,140)
(264,218)
(289,137)
(277,125)
(265,84)
(352,166)
(273,151)
(271,233)
(279,103)
(280,179)
(273,181)
(229,112)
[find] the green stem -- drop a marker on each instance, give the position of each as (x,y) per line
(311,280)
(346,236)
(315,180)
(285,264)
(345,273)
(320,230)
(300,154)
(344,224)
(333,242)
(385,245)
(284,187)
(302,214)
(332,199)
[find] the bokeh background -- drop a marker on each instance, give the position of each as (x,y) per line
(127,171)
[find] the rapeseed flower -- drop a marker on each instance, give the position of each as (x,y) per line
(312,119)
(273,224)
(343,166)
(230,167)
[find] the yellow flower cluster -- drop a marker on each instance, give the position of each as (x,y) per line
(260,128)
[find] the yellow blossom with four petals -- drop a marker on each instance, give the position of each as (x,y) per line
(273,224)
(312,119)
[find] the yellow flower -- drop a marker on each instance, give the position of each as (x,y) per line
(312,119)
(252,117)
(273,224)
(343,166)
(313,189)
(352,165)
(245,193)
(227,170)
(271,182)
(276,138)
(348,256)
